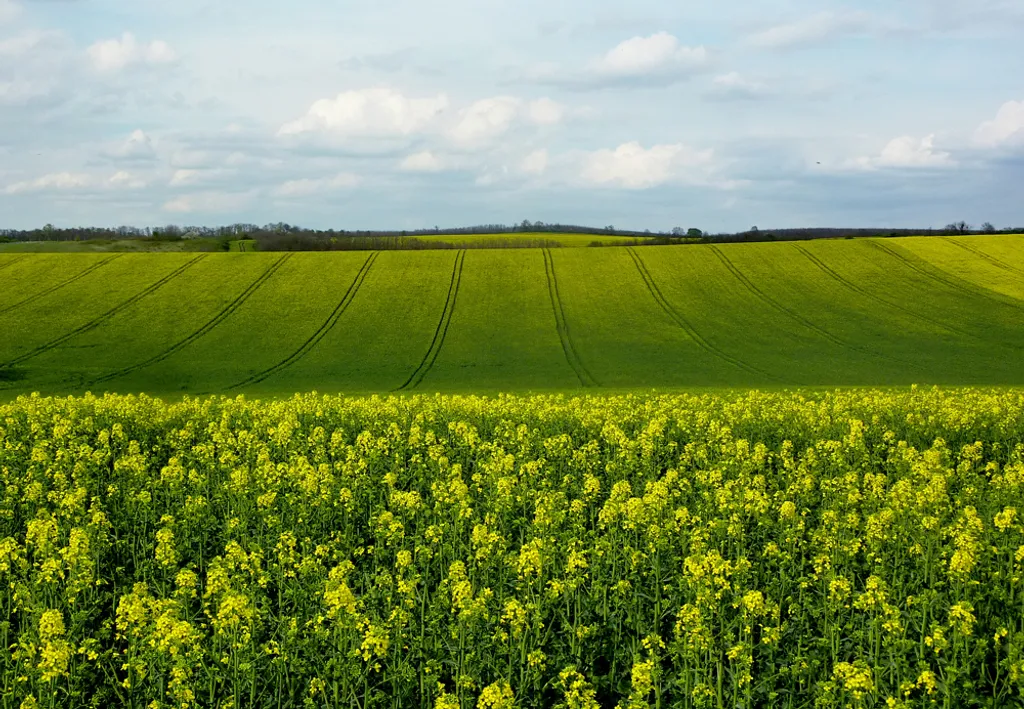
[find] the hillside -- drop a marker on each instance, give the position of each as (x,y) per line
(858,312)
(355,242)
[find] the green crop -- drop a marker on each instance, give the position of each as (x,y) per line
(866,312)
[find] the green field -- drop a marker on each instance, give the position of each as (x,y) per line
(117,245)
(545,238)
(926,310)
(520,240)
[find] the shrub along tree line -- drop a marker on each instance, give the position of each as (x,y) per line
(282,236)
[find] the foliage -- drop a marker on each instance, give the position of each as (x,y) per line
(849,549)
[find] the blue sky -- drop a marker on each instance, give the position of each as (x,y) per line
(401,114)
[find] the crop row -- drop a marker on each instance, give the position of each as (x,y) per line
(849,312)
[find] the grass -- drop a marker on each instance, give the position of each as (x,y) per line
(526,239)
(117,245)
(570,240)
(814,314)
(993,262)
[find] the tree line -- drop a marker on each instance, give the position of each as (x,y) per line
(284,236)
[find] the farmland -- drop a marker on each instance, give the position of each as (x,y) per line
(850,312)
(439,240)
(570,240)
(846,549)
(665,502)
(114,246)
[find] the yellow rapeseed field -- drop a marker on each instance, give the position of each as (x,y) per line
(841,549)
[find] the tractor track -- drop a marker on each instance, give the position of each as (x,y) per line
(217,319)
(868,294)
(321,332)
(586,379)
(683,323)
(799,318)
(991,259)
(928,271)
(8,264)
(96,322)
(441,331)
(62,284)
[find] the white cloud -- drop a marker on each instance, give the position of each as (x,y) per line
(54,181)
(26,43)
(907,151)
(35,67)
(193,176)
(535,163)
(189,158)
(734,86)
(9,11)
(66,181)
(127,180)
(239,159)
(424,161)
(545,112)
(1006,128)
(490,118)
(485,119)
(209,202)
(660,53)
(815,28)
(13,93)
(112,55)
(159,52)
(633,167)
(184,177)
(369,112)
(138,146)
(658,59)
(304,187)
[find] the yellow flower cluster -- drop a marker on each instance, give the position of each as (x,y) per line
(826,549)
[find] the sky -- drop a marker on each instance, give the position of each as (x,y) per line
(397,114)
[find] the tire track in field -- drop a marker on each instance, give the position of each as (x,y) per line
(60,285)
(96,322)
(850,285)
(991,259)
(321,332)
(939,276)
(571,355)
(16,259)
(441,332)
(216,320)
(799,318)
(683,323)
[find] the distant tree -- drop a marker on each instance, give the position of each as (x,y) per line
(988,228)
(610,228)
(960,227)
(694,233)
(678,231)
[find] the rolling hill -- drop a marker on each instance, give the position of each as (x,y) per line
(924,310)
